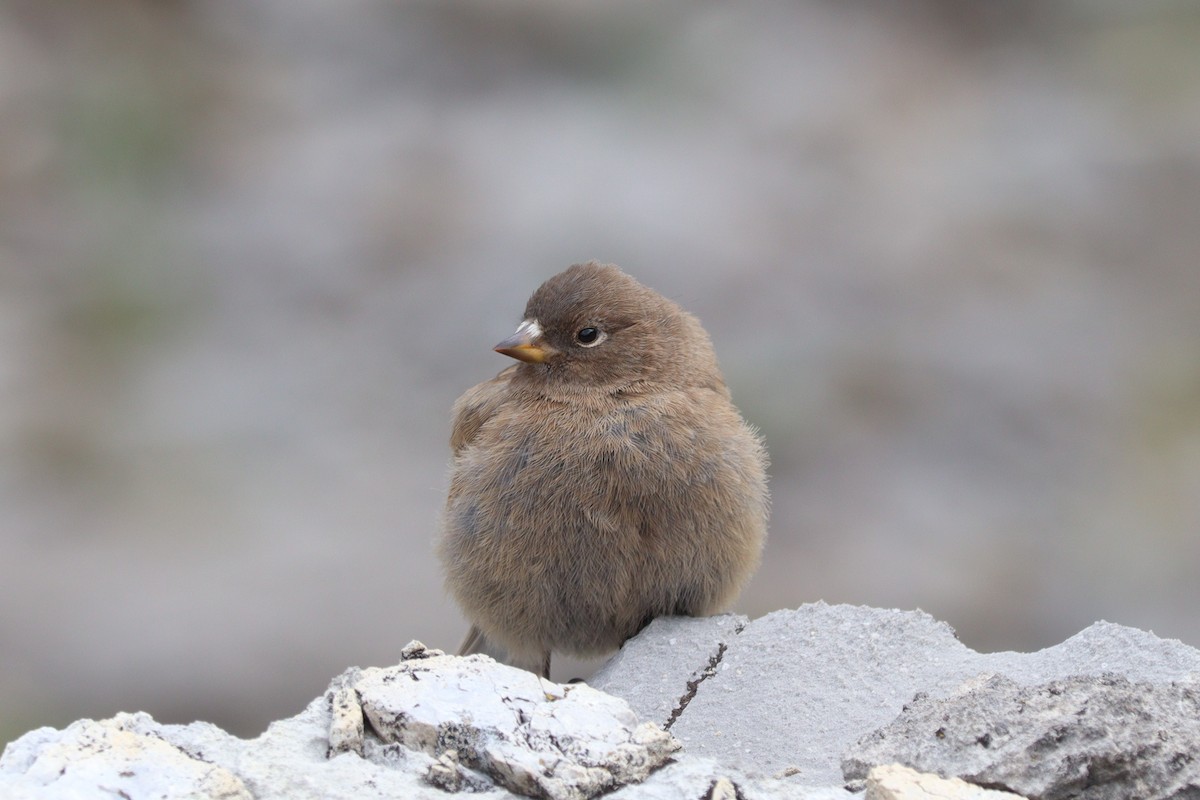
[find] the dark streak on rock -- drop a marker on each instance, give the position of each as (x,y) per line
(692,686)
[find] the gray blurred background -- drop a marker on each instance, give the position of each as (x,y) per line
(250,252)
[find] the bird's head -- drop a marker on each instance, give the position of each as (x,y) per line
(592,327)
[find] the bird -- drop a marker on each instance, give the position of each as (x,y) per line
(603,480)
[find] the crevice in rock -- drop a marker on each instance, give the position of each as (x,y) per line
(693,685)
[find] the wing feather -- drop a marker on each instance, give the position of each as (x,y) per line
(477,405)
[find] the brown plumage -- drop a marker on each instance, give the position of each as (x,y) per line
(604,480)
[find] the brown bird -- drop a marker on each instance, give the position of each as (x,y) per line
(605,480)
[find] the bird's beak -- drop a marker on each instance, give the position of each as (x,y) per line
(526,344)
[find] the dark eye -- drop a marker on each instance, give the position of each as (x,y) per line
(587,336)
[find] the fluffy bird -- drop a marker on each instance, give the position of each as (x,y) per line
(602,481)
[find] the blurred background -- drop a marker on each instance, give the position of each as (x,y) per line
(250,253)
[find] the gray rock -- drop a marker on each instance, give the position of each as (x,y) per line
(531,736)
(659,671)
(436,723)
(897,782)
(764,709)
(114,758)
(795,688)
(692,778)
(792,691)
(292,759)
(346,721)
(1096,738)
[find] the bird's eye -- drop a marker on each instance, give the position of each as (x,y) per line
(588,337)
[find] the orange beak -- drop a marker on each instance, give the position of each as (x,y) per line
(526,344)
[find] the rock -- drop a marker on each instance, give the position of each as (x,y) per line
(660,670)
(764,709)
(531,736)
(346,722)
(119,757)
(722,789)
(446,773)
(433,724)
(792,691)
(1080,737)
(898,782)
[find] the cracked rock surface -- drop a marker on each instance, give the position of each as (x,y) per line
(763,709)
(1083,737)
(793,691)
(531,736)
(659,671)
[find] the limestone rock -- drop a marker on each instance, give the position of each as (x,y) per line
(531,736)
(898,782)
(429,725)
(790,692)
(1085,737)
(660,671)
(118,757)
(765,709)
